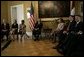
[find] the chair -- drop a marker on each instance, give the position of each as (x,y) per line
(47,32)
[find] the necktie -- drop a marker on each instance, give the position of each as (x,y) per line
(76,25)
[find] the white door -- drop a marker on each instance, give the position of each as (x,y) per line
(17,13)
(14,15)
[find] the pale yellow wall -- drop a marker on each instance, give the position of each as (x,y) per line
(78,8)
(4,10)
(77,4)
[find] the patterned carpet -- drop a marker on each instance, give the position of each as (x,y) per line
(29,47)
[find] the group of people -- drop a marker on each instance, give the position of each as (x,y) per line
(13,30)
(70,36)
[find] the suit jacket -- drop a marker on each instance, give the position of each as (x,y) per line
(38,27)
(15,26)
(79,26)
(71,26)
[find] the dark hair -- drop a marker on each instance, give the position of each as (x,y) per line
(78,15)
(61,20)
(22,20)
(15,20)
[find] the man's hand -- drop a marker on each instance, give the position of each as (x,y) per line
(51,34)
(80,32)
(4,30)
(64,32)
(36,28)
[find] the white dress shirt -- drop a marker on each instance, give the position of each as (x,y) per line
(60,26)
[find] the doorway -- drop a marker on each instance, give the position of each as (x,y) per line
(17,12)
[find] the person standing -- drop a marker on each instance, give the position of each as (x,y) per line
(37,29)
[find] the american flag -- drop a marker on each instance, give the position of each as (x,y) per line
(31,19)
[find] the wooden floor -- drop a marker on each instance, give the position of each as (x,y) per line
(29,47)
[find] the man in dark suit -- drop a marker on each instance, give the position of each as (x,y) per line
(37,29)
(79,24)
(75,45)
(5,29)
(78,46)
(72,22)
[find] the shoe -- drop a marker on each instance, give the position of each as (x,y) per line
(34,39)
